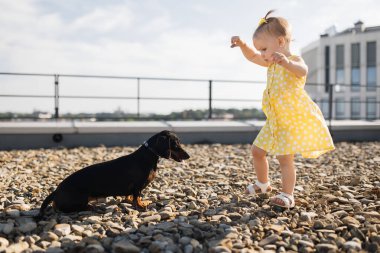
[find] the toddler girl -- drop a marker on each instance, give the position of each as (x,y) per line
(294,124)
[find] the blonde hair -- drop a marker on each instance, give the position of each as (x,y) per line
(275,26)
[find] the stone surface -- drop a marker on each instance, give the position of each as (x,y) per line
(198,205)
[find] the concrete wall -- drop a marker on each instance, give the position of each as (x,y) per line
(33,135)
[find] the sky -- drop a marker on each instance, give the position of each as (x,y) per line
(149,38)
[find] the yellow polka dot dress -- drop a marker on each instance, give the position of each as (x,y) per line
(295,124)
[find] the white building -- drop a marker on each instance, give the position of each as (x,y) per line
(350,58)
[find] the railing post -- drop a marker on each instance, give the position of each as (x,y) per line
(56,96)
(331,89)
(210,100)
(138,97)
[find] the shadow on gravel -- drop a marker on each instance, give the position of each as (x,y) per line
(114,226)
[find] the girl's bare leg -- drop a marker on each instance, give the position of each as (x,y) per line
(260,165)
(288,175)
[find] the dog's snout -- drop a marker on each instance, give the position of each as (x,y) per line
(185,155)
(181,155)
(178,153)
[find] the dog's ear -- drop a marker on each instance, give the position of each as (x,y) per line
(162,142)
(161,138)
(165,133)
(163,146)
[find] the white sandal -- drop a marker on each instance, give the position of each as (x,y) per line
(263,187)
(286,198)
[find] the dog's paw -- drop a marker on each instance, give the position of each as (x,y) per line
(140,204)
(144,204)
(129,199)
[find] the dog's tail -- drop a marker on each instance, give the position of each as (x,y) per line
(45,204)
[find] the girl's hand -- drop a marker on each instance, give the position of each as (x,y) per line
(236,41)
(280,58)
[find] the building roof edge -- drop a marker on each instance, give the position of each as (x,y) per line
(310,46)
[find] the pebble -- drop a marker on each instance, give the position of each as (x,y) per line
(27,227)
(95,248)
(277,228)
(165,215)
(54,250)
(307,216)
(188,248)
(4,243)
(270,239)
(77,229)
(12,213)
(185,240)
(352,245)
(62,229)
(351,221)
(325,247)
(8,228)
(198,205)
(49,236)
(125,246)
(152,218)
(17,247)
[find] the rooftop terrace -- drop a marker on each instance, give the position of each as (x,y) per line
(198,206)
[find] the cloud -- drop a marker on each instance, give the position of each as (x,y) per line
(111,18)
(155,38)
(90,44)
(114,40)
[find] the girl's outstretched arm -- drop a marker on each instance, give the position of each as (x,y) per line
(250,53)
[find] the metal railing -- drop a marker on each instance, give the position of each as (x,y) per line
(139,98)
(355,90)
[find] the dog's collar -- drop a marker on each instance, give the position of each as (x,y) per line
(145,144)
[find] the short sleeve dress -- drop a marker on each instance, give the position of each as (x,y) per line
(295,124)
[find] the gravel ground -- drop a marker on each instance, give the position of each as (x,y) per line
(198,205)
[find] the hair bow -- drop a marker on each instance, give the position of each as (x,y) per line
(262,21)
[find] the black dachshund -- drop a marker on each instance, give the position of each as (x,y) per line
(124,176)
